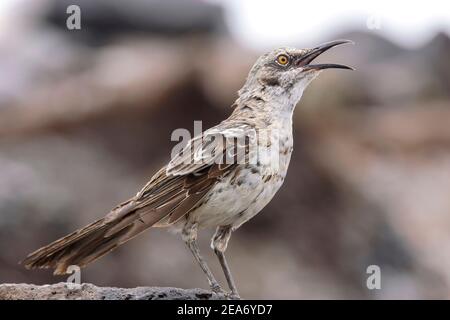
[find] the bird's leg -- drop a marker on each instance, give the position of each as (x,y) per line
(219,244)
(189,236)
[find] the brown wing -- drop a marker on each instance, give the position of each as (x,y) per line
(173,192)
(177,188)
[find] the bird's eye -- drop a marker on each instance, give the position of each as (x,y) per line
(283,59)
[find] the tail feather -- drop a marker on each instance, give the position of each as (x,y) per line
(88,244)
(173,198)
(66,251)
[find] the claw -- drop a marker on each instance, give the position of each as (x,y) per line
(217,289)
(233,296)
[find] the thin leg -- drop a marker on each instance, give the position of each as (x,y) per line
(190,238)
(219,244)
(226,270)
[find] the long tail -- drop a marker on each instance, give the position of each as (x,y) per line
(93,241)
(162,202)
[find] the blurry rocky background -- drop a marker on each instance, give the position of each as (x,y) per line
(86,118)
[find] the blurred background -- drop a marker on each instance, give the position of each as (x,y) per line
(86,117)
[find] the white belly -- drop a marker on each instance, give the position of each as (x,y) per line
(246,191)
(238,197)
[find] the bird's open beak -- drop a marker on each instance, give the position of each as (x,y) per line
(305,60)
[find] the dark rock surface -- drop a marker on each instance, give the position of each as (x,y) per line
(88,291)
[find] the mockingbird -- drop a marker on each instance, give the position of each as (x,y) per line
(197,188)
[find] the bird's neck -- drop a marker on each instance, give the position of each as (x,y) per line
(274,109)
(276,100)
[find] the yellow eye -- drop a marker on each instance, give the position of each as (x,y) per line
(283,59)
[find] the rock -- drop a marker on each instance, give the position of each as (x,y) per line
(88,291)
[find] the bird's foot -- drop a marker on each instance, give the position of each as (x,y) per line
(233,296)
(217,289)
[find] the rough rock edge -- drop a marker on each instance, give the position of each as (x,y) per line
(88,291)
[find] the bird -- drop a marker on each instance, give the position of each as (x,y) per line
(213,182)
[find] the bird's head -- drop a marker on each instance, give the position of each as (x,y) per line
(285,72)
